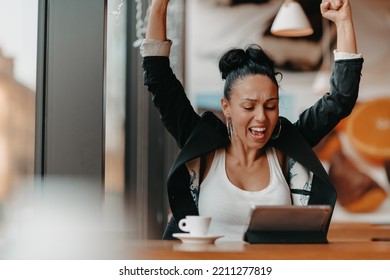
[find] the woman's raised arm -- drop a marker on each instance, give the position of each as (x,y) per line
(176,111)
(157,24)
(318,120)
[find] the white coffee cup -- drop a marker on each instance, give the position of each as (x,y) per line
(195,225)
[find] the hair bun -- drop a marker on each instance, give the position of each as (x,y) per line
(232,60)
(238,63)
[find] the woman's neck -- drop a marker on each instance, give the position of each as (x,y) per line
(243,155)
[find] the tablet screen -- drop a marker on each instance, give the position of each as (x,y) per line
(289,218)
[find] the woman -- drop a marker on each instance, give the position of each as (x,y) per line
(223,169)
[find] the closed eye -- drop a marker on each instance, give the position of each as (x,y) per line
(271,105)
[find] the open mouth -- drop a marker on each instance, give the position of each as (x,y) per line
(258,132)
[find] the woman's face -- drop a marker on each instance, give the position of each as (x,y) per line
(253,109)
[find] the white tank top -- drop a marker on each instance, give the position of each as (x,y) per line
(229,206)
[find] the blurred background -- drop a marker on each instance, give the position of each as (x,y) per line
(74,109)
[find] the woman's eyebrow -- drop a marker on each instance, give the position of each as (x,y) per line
(255,99)
(272,99)
(248,99)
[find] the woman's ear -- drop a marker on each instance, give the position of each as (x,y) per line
(225,105)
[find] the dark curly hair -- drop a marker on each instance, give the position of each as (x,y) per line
(238,63)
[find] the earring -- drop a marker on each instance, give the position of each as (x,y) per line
(275,134)
(229,128)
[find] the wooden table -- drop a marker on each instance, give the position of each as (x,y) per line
(349,241)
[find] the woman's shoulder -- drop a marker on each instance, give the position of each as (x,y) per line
(284,120)
(213,120)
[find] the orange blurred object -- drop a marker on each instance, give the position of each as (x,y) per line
(369,202)
(368,129)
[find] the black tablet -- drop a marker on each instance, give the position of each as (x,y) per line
(288,224)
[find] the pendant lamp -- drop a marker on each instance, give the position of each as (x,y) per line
(291,21)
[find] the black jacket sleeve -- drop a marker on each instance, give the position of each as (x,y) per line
(168,95)
(317,121)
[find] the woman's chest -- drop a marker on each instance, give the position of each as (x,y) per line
(255,177)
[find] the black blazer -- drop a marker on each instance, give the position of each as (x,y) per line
(199,135)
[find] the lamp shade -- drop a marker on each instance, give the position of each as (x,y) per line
(291,21)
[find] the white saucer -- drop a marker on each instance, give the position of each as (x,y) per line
(190,239)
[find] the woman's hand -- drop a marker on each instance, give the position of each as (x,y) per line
(337,11)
